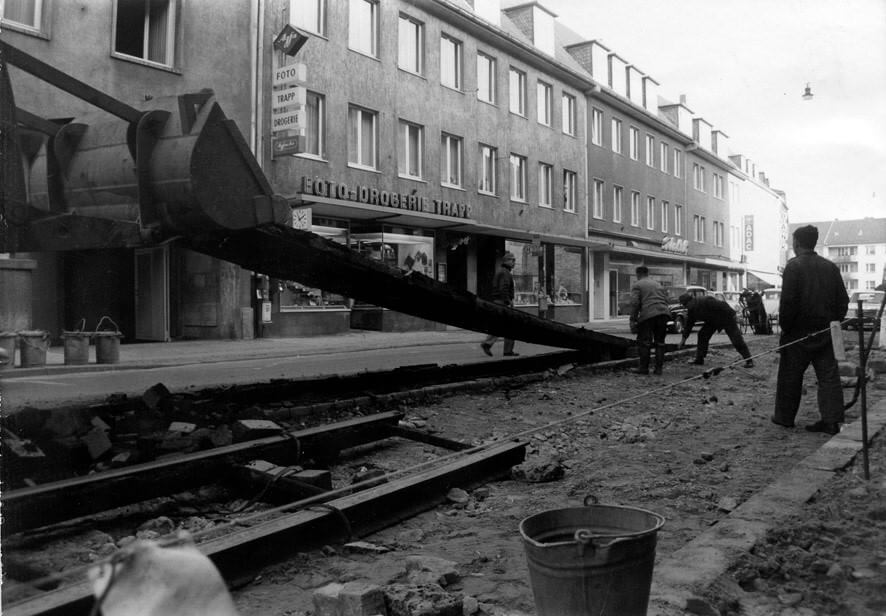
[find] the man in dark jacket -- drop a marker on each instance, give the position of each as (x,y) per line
(649,309)
(812,295)
(503,292)
(717,315)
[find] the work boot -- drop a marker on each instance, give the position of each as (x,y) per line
(659,358)
(643,366)
(696,362)
(823,426)
(749,363)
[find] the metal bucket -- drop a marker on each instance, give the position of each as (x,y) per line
(76,345)
(33,348)
(593,560)
(7,349)
(107,343)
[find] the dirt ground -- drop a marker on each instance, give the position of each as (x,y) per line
(690,452)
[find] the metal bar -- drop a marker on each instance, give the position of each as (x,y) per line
(63,500)
(63,81)
(30,120)
(430,439)
(862,381)
(366,512)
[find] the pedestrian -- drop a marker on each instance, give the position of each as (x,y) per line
(649,309)
(503,293)
(716,315)
(812,295)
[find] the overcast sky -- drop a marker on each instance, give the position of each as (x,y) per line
(744,64)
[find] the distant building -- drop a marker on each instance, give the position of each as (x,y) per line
(858,247)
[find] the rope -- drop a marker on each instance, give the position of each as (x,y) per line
(316,501)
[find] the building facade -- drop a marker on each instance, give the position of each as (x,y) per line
(434,135)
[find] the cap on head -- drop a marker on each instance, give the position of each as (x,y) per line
(685,298)
(508,256)
(642,270)
(806,237)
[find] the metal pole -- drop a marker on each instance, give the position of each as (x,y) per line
(862,376)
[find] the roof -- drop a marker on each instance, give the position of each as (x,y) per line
(848,232)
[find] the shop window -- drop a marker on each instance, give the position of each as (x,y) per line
(295,296)
(525,273)
(145,29)
(410,250)
(566,283)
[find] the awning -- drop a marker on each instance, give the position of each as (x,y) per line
(769,280)
(673,256)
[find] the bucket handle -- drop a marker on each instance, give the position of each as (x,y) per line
(584,538)
(81,326)
(102,320)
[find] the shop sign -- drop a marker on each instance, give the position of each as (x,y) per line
(290,40)
(290,75)
(670,243)
(373,196)
(286,146)
(748,233)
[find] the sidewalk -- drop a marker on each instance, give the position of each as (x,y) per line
(185,352)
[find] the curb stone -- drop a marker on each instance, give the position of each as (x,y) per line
(689,572)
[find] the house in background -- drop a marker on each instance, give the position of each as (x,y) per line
(858,247)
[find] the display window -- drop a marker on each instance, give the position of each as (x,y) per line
(525,273)
(566,288)
(295,296)
(410,250)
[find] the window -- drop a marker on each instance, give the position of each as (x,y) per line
(486,78)
(851,284)
(410,148)
(698,177)
(570,192)
(634,143)
(664,216)
(678,219)
(663,157)
(488,169)
(411,55)
(596,127)
(525,273)
(698,225)
(870,284)
(146,29)
(845,251)
(517,90)
(450,62)
(635,208)
(545,185)
(450,160)
(24,12)
(848,268)
(568,119)
(870,250)
(870,268)
(678,163)
(617,198)
(616,135)
(650,213)
(650,150)
(362,137)
(718,186)
(719,232)
(598,199)
(363,27)
(308,15)
(315,129)
(543,93)
(294,296)
(518,177)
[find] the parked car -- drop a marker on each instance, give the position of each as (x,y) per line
(869,309)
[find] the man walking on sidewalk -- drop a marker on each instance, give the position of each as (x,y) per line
(649,308)
(503,293)
(717,315)
(812,295)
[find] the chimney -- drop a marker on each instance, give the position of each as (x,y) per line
(683,100)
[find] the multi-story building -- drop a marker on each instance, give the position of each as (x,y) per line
(431,134)
(858,247)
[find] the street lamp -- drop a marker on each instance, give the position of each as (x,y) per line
(807,95)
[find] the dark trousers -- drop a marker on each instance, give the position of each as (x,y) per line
(792,366)
(490,339)
(652,332)
(707,330)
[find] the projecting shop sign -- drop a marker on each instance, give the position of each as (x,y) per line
(288,101)
(748,233)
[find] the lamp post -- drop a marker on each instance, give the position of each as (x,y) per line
(807,94)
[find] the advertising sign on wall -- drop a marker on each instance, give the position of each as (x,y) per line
(748,233)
